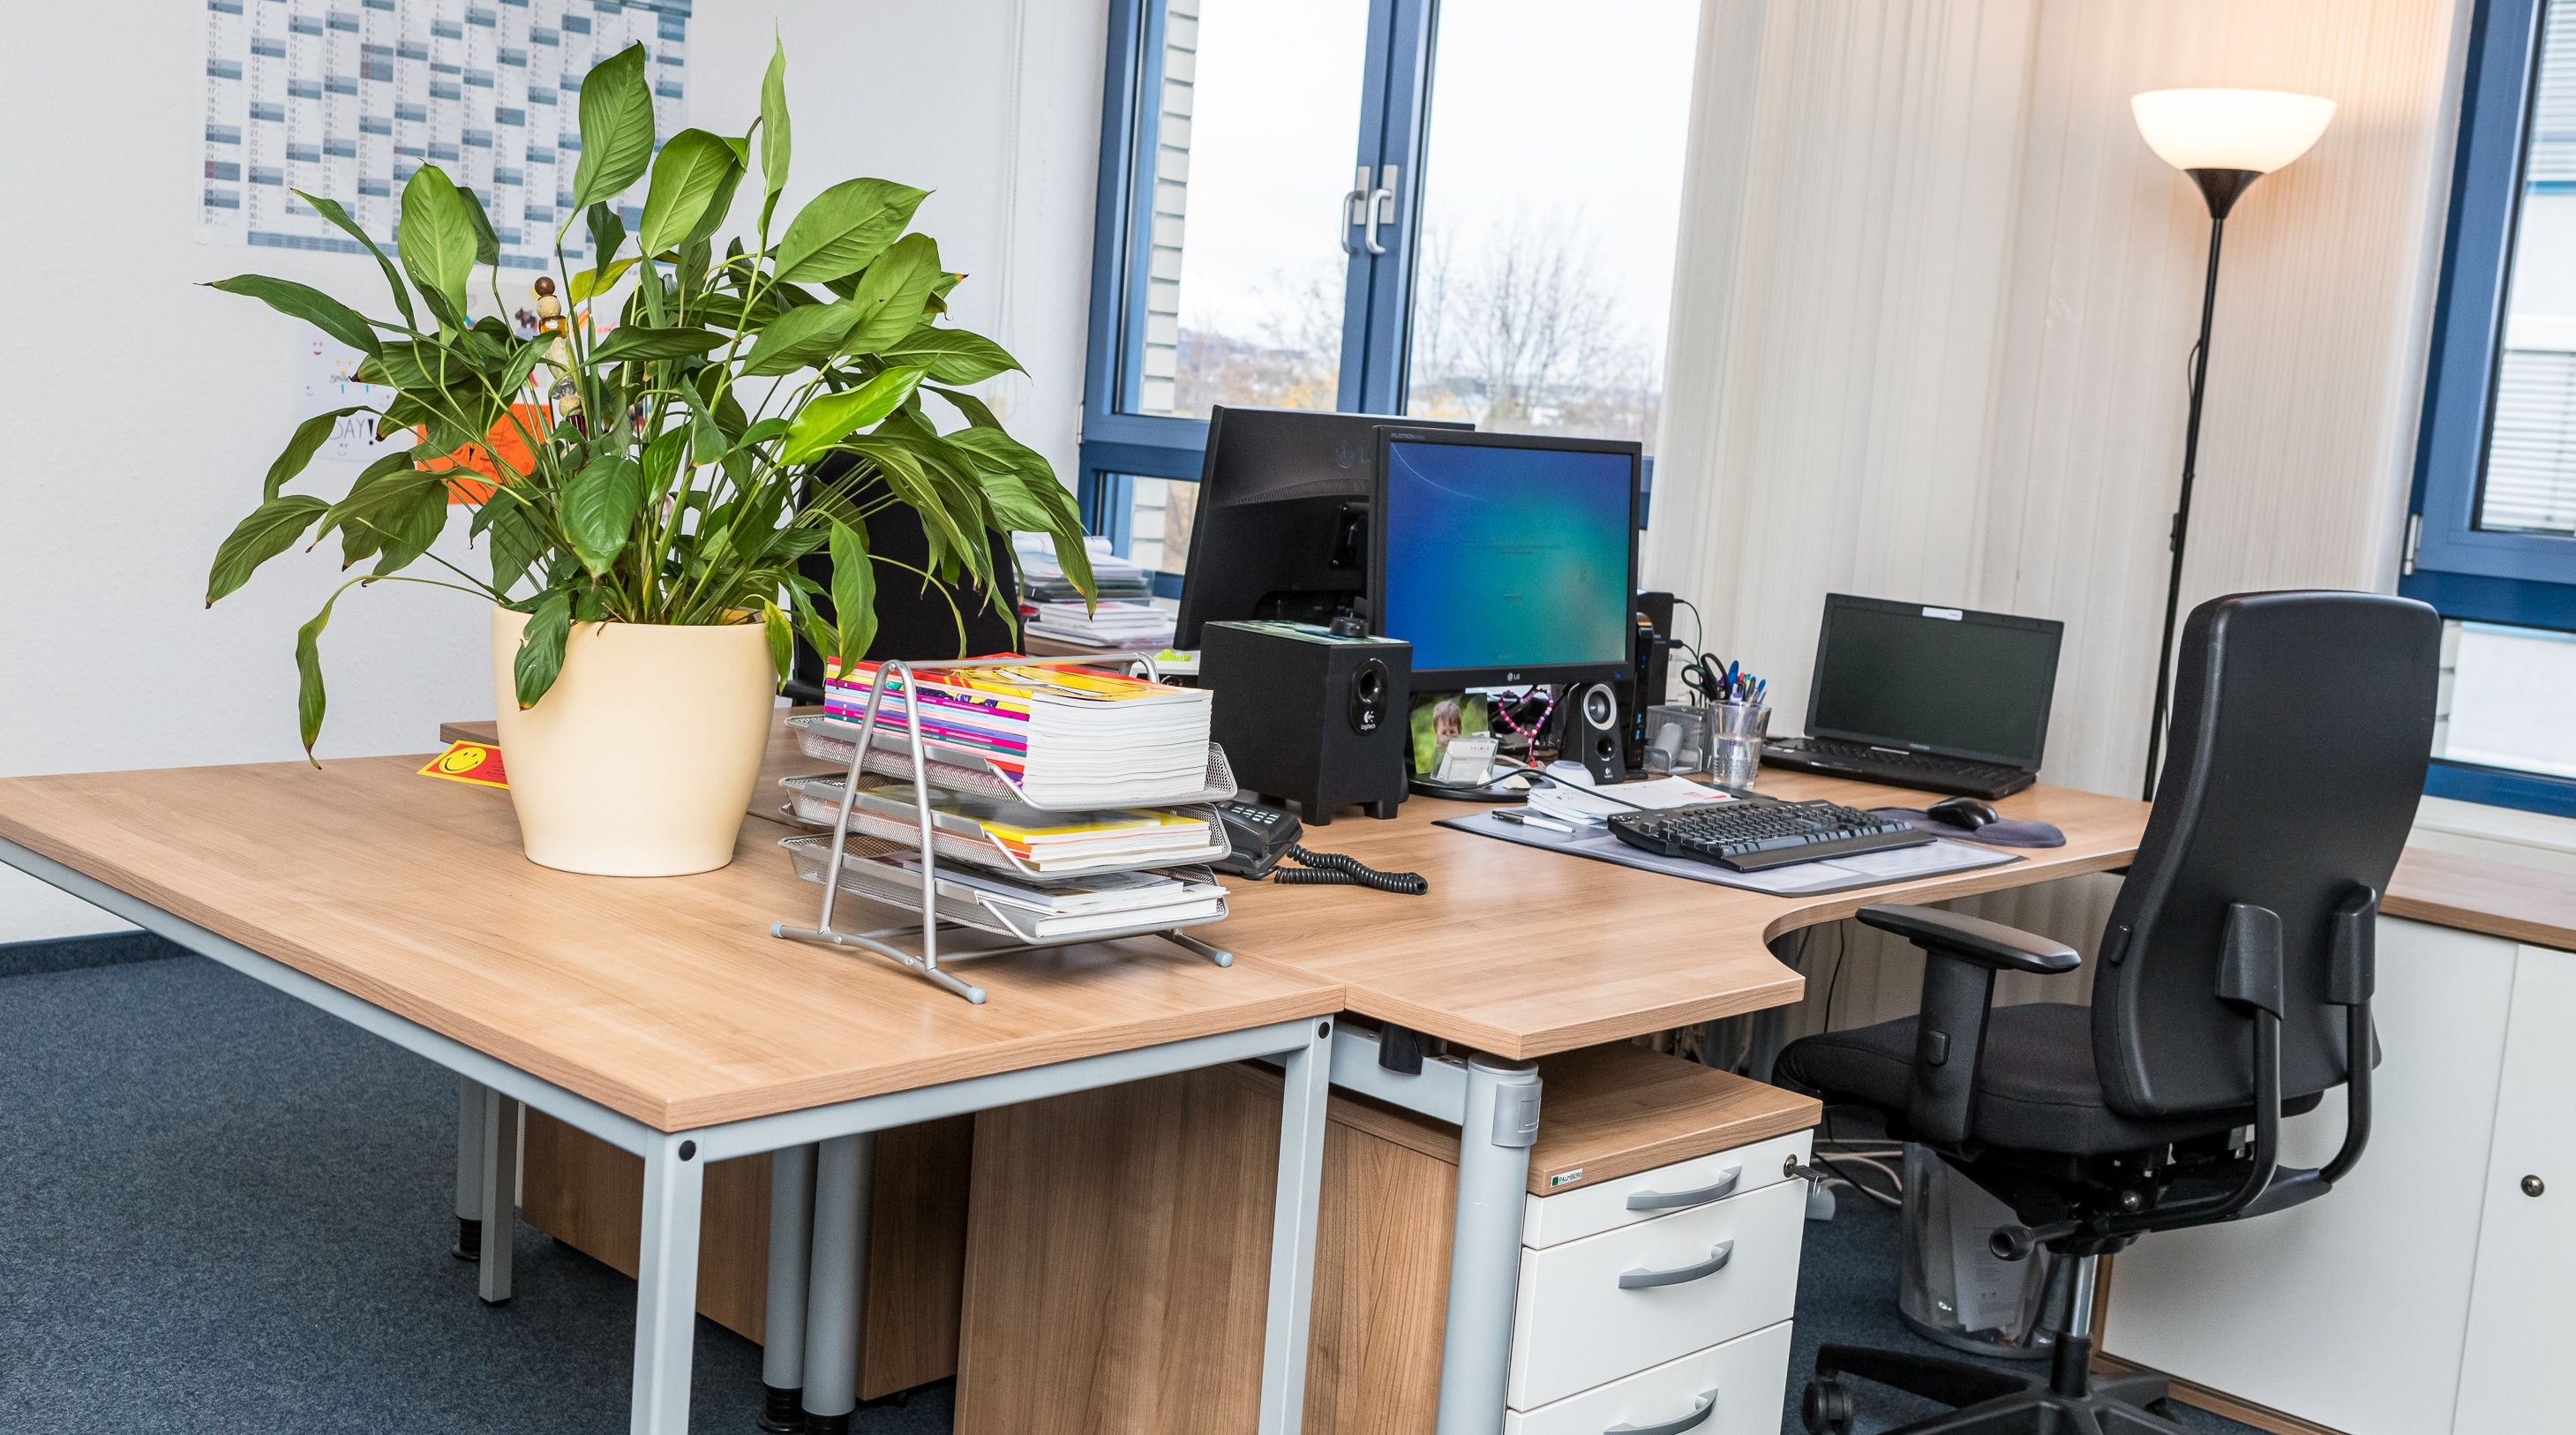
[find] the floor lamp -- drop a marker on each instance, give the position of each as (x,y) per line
(2225,140)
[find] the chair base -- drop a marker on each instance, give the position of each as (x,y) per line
(1987,1401)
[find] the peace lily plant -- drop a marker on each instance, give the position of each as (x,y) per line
(749,408)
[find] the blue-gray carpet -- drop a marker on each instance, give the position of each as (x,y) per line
(229,1214)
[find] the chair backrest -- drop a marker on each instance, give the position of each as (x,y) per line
(2302,725)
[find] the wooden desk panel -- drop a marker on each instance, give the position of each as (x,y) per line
(1521,952)
(2473,894)
(664,998)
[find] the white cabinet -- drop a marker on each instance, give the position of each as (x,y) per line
(2425,1293)
(2520,1313)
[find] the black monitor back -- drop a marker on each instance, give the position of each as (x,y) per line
(2302,726)
(1281,525)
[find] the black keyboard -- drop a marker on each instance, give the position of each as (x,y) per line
(1927,771)
(1751,835)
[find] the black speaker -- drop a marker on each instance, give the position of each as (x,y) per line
(1310,716)
(1594,732)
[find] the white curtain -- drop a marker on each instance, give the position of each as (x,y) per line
(1934,304)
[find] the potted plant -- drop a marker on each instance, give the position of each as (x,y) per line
(642,495)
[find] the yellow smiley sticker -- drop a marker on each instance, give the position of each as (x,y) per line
(476,762)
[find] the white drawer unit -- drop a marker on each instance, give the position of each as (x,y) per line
(1729,1389)
(1571,1215)
(1593,1310)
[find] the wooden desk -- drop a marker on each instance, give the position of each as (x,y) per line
(657,1015)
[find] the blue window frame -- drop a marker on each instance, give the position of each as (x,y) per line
(2492,540)
(1120,441)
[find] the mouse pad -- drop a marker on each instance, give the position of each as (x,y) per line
(1803,879)
(2003,832)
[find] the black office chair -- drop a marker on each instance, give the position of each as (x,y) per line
(914,619)
(2234,988)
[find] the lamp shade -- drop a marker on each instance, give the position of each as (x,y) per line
(2253,130)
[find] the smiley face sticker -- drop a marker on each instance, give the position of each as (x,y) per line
(476,762)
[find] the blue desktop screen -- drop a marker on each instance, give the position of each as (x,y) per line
(1498,557)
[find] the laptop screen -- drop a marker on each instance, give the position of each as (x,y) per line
(1937,680)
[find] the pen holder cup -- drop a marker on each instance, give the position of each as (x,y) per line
(1735,733)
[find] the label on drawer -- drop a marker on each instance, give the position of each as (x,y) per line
(1565,1178)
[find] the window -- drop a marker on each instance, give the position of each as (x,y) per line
(2492,542)
(1316,206)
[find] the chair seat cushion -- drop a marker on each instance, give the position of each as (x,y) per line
(2036,1089)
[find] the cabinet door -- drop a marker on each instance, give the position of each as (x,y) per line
(2512,1377)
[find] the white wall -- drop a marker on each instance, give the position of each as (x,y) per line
(1935,303)
(141,410)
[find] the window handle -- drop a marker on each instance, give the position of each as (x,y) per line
(1381,207)
(1354,208)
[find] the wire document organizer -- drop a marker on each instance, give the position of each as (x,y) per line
(882,857)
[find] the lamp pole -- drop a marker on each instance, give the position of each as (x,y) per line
(2222,188)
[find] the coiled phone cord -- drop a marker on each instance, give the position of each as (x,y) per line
(1333,868)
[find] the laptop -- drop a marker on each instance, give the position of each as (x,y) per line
(1940,699)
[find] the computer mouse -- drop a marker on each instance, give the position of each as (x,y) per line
(1962,812)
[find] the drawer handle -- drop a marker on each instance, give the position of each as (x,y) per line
(1699,1416)
(1675,1200)
(1643,1279)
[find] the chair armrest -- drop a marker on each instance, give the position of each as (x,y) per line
(1973,939)
(1961,957)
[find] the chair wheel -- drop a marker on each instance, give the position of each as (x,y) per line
(1827,1408)
(2164,1409)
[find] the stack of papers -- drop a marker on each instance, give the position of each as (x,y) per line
(1069,738)
(996,832)
(1575,808)
(1114,624)
(1042,578)
(1105,902)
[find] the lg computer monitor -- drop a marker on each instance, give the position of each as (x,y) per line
(1505,558)
(1282,524)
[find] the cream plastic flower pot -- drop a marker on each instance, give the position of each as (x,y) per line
(640,760)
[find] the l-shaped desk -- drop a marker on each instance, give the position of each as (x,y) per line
(662,1017)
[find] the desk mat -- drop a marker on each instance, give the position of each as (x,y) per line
(1804,879)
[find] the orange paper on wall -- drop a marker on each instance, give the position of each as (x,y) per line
(506,443)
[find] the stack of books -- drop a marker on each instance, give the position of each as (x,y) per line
(1114,624)
(1042,579)
(1066,738)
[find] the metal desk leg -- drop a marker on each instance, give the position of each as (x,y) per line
(837,1298)
(1306,1093)
(791,1244)
(469,1170)
(666,1287)
(500,1197)
(1485,1244)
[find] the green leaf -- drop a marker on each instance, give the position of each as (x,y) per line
(271,529)
(800,338)
(607,233)
(436,240)
(330,209)
(1075,560)
(541,648)
(600,505)
(590,283)
(634,341)
(303,301)
(973,408)
(782,638)
(693,181)
(487,245)
(890,295)
(773,122)
(952,356)
(517,542)
(393,509)
(310,435)
(309,698)
(616,127)
(854,592)
(821,423)
(845,228)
